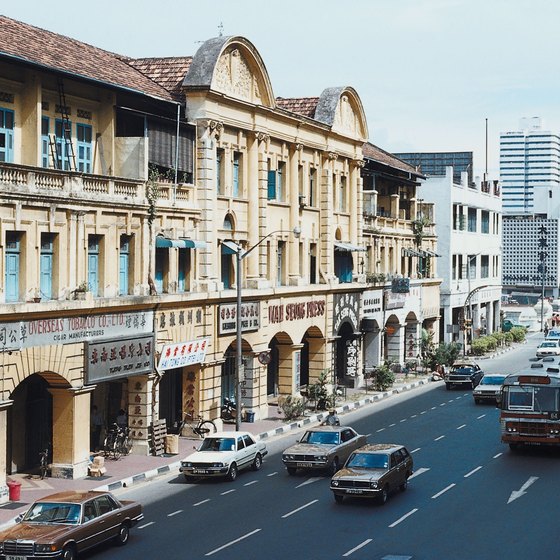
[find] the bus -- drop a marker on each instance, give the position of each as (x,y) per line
(530,408)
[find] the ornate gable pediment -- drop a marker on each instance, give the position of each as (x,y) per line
(234,77)
(346,119)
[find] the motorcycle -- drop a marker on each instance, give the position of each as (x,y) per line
(229,410)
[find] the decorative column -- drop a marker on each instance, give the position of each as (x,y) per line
(395,206)
(287,367)
(143,400)
(327,210)
(355,202)
(4,406)
(293,268)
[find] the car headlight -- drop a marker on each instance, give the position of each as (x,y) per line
(334,482)
(321,458)
(373,484)
(217,464)
(187,464)
(288,457)
(45,548)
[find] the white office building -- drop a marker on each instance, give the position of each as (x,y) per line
(469,229)
(530,170)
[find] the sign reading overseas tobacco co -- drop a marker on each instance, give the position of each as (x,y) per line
(122,357)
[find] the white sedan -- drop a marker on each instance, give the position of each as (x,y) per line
(488,390)
(224,454)
(548,348)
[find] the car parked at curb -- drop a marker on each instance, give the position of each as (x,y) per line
(224,454)
(463,372)
(322,447)
(373,471)
(64,525)
(488,390)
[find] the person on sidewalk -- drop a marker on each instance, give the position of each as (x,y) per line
(121,419)
(95,424)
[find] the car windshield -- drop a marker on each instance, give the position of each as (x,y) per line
(52,512)
(493,380)
(462,369)
(549,345)
(328,438)
(368,461)
(218,444)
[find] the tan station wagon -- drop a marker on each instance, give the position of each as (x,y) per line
(322,447)
(373,471)
(65,524)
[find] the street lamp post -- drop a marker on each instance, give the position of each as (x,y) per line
(239,368)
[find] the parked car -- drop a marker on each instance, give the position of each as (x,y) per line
(549,347)
(322,447)
(373,471)
(488,390)
(463,372)
(224,454)
(64,525)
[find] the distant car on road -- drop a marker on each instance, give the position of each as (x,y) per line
(373,471)
(224,454)
(322,447)
(65,524)
(463,372)
(548,348)
(488,390)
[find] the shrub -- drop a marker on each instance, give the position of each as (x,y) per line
(491,343)
(319,393)
(479,346)
(499,336)
(292,407)
(518,333)
(382,377)
(508,337)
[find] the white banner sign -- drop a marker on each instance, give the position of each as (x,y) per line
(250,317)
(69,330)
(183,354)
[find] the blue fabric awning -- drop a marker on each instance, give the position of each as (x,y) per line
(164,242)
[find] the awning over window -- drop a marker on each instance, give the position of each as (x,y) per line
(429,253)
(229,248)
(164,242)
(411,253)
(339,246)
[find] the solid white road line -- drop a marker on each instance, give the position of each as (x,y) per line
(472,472)
(200,503)
(403,517)
(146,525)
(250,483)
(227,492)
(232,542)
(357,547)
(462,426)
(299,509)
(175,513)
(442,491)
(438,438)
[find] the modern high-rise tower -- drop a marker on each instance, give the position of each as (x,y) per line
(530,170)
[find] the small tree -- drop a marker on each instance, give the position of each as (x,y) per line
(446,353)
(382,377)
(292,407)
(319,391)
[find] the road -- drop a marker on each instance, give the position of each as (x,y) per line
(470,497)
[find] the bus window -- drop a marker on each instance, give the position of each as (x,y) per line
(520,398)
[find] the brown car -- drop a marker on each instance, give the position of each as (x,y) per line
(373,471)
(322,447)
(62,525)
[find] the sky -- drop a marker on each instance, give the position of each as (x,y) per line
(429,72)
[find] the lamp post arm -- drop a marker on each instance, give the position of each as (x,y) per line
(249,251)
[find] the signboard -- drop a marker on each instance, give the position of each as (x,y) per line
(69,330)
(346,310)
(352,357)
(183,354)
(297,369)
(394,301)
(250,317)
(277,313)
(400,285)
(372,302)
(115,358)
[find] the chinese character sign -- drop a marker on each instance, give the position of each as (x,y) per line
(183,354)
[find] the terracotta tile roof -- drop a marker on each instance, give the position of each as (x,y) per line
(377,154)
(168,72)
(301,105)
(58,52)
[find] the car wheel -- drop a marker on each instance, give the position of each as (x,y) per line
(124,532)
(384,495)
(338,498)
(257,463)
(232,473)
(334,467)
(291,471)
(68,553)
(448,386)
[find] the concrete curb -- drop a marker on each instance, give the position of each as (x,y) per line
(347,407)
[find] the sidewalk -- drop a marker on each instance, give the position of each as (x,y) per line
(134,469)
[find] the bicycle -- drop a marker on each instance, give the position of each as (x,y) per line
(123,442)
(200,427)
(43,463)
(110,442)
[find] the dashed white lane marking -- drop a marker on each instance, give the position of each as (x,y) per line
(309,481)
(146,525)
(462,426)
(232,542)
(361,545)
(391,425)
(380,430)
(415,450)
(433,408)
(424,412)
(472,472)
(299,509)
(442,491)
(403,517)
(450,400)
(438,438)
(403,420)
(418,472)
(273,473)
(200,503)
(443,404)
(250,483)
(481,416)
(414,416)
(457,398)
(175,513)
(498,455)
(227,492)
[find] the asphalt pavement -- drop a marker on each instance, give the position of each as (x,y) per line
(134,469)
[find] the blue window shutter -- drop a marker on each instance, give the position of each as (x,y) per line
(226,269)
(6,135)
(84,135)
(272,184)
(12,277)
(93,271)
(123,274)
(160,263)
(46,275)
